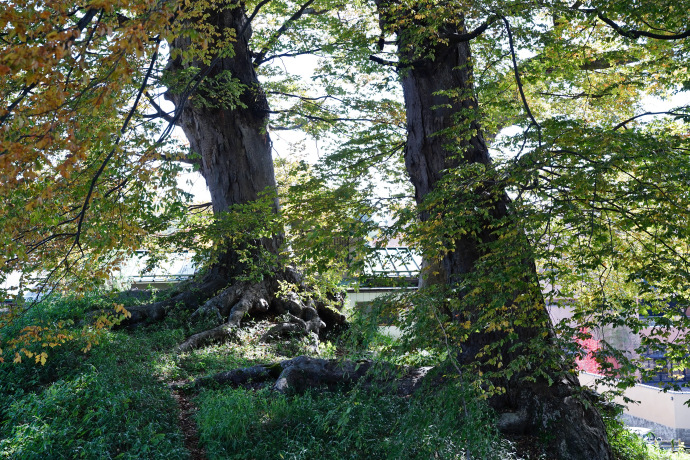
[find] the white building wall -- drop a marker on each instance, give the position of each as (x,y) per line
(664,412)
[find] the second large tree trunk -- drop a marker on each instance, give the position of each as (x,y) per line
(444,134)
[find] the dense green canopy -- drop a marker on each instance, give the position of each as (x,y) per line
(583,106)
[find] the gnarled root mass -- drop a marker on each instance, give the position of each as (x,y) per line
(190,295)
(303,372)
(229,305)
(563,411)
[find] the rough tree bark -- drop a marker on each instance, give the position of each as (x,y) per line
(443,67)
(230,136)
(231,139)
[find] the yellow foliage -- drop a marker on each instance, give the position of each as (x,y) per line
(41,358)
(120,308)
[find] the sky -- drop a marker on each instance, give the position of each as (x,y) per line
(283,141)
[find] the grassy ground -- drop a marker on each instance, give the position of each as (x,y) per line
(115,401)
(106,403)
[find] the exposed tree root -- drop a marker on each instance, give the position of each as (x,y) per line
(244,299)
(214,301)
(304,372)
(223,333)
(191,296)
(296,326)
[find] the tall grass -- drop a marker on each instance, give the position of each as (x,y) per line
(98,405)
(357,424)
(112,403)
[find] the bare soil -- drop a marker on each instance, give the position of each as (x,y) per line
(188,425)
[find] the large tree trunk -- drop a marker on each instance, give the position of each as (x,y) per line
(230,136)
(444,133)
(229,133)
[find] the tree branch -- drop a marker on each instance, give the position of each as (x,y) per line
(378,60)
(197,208)
(634,33)
(183,159)
(305,98)
(160,113)
(518,81)
(297,53)
(260,57)
(573,96)
(286,128)
(460,38)
(16,102)
(646,114)
(329,120)
(252,16)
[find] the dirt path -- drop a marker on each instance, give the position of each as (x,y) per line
(188,425)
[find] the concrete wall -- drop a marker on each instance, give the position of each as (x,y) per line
(368,294)
(665,413)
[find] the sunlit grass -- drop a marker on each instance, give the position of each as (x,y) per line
(115,402)
(108,404)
